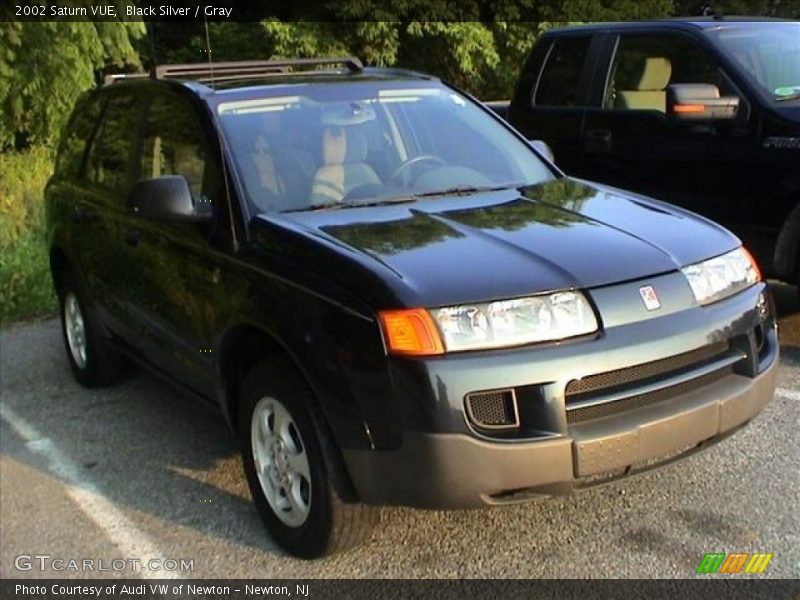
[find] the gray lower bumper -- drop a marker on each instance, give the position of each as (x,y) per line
(462,471)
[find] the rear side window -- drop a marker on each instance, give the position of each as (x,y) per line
(558,83)
(80,130)
(110,157)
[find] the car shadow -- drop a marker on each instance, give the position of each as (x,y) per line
(143,444)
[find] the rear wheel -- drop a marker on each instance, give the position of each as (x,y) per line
(289,459)
(92,363)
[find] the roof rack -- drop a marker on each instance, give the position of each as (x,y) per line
(249,69)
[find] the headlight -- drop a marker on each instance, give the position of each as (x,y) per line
(515,322)
(723,276)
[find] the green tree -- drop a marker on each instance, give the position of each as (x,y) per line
(45,66)
(762,8)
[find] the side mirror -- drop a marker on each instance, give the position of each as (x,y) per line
(544,149)
(699,101)
(170,199)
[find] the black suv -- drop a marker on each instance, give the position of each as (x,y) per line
(389,294)
(704,113)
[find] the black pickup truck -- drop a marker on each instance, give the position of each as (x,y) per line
(703,113)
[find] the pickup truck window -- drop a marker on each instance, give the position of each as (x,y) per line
(769,54)
(644,66)
(558,83)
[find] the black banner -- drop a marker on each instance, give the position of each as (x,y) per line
(388,589)
(153,10)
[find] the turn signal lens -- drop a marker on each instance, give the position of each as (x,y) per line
(753,264)
(689,108)
(410,332)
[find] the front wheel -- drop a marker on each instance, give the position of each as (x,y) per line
(288,460)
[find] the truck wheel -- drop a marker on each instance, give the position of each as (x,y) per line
(92,363)
(287,456)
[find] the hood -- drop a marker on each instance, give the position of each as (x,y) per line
(557,235)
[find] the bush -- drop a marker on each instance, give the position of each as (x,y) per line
(25,286)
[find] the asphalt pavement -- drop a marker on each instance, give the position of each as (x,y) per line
(142,481)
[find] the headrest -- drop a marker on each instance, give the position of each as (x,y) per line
(342,145)
(656,72)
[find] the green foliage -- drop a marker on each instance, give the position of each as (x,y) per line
(44,67)
(766,8)
(25,288)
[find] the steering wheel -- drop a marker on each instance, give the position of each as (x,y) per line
(407,164)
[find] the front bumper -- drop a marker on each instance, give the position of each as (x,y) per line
(445,462)
(460,471)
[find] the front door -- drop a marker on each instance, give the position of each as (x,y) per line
(629,141)
(175,269)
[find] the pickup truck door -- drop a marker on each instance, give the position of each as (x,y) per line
(550,96)
(629,141)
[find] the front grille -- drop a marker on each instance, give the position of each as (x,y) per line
(492,410)
(606,409)
(618,380)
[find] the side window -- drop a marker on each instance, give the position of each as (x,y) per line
(645,65)
(558,83)
(110,157)
(173,145)
(80,129)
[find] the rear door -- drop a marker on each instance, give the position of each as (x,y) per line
(550,97)
(105,183)
(630,142)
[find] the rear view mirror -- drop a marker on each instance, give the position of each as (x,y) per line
(544,149)
(168,198)
(698,101)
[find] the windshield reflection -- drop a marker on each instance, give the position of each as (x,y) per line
(364,143)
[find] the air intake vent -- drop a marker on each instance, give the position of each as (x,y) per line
(493,410)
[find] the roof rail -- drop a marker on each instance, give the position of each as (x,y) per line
(109,79)
(249,69)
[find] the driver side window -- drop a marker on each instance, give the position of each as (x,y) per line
(645,65)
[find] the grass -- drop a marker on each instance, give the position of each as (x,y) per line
(25,287)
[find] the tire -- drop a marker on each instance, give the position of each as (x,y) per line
(92,363)
(280,423)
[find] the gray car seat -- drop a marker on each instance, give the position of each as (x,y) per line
(344,152)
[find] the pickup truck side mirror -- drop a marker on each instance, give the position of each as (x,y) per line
(169,199)
(544,149)
(699,101)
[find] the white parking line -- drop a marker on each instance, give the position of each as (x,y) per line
(789,394)
(132,543)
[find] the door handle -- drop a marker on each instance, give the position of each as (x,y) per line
(132,236)
(598,140)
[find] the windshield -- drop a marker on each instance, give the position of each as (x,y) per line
(769,53)
(340,145)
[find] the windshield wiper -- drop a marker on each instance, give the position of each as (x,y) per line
(314,207)
(459,190)
(795,96)
(466,190)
